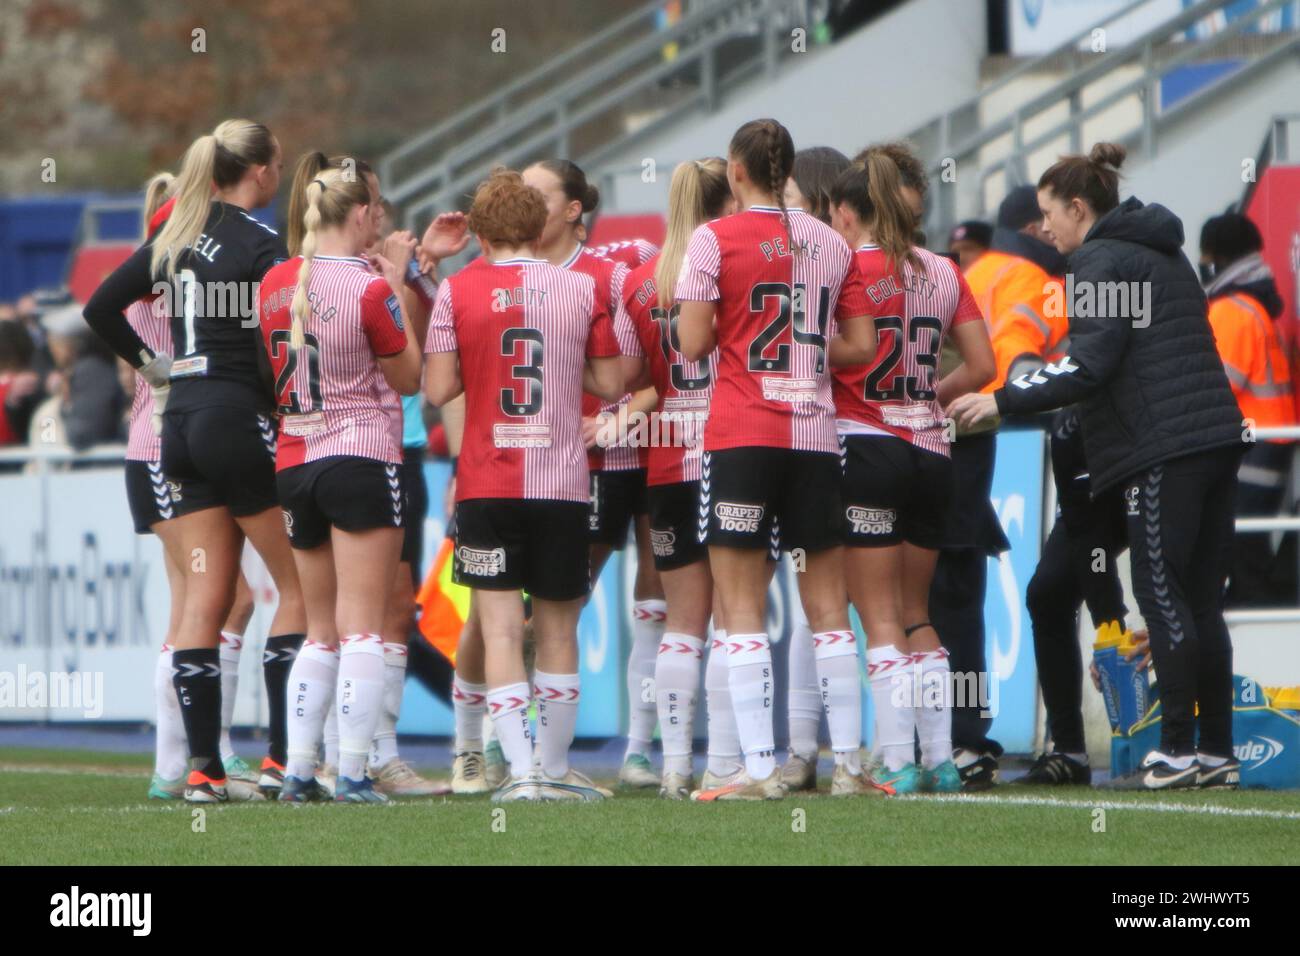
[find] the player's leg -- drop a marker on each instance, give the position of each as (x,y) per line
(501,618)
(803,703)
(725,764)
(649,614)
(232,646)
(365,562)
(681,560)
(812,527)
(558,583)
(171,751)
(934,695)
(265,531)
(209,542)
(469,704)
(313,676)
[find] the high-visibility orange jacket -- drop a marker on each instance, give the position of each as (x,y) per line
(1012,292)
(1252,354)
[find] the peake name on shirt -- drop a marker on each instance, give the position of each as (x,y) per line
(778,248)
(503,299)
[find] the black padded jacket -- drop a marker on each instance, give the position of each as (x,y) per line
(1142,363)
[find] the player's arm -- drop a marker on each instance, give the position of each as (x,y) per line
(970,333)
(977,366)
(697,329)
(603,377)
(442,381)
(855,343)
(387,325)
(106,315)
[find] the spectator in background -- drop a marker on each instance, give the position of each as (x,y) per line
(19,386)
(1013,283)
(29,314)
(968,241)
(7,312)
(91,400)
(1244,303)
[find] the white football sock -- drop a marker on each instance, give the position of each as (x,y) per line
(647,631)
(724,738)
(677,680)
(934,709)
(890,673)
(228,653)
(384,747)
(309,697)
(557,718)
(508,706)
(469,704)
(360,700)
(171,747)
(803,700)
(749,674)
(836,653)
(330,737)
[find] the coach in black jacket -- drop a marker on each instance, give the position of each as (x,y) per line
(1159,420)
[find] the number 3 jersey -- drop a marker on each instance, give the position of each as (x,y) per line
(523,329)
(895,394)
(676,439)
(776,313)
(331,394)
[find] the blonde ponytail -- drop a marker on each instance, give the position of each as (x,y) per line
(215,161)
(698,192)
(300,307)
(156,191)
(328,199)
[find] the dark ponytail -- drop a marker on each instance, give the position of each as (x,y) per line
(1093,178)
(766,150)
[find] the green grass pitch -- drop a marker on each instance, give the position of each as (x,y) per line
(66,807)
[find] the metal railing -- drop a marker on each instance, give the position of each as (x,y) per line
(717,45)
(966,135)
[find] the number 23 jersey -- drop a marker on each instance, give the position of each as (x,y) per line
(776,314)
(523,329)
(895,394)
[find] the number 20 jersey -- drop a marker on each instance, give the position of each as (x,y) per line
(895,394)
(523,329)
(776,314)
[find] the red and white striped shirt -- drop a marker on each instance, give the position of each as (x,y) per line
(630,252)
(523,329)
(685,388)
(332,397)
(610,278)
(895,394)
(151,322)
(776,313)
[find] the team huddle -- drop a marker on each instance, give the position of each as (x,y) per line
(787,346)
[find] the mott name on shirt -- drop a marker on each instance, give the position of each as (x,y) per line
(503,299)
(778,249)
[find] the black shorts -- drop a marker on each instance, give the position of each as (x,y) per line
(617,497)
(342,491)
(222,454)
(773,498)
(153,498)
(415,507)
(679,527)
(893,492)
(511,544)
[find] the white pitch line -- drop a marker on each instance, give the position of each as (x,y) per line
(70,771)
(1156,807)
